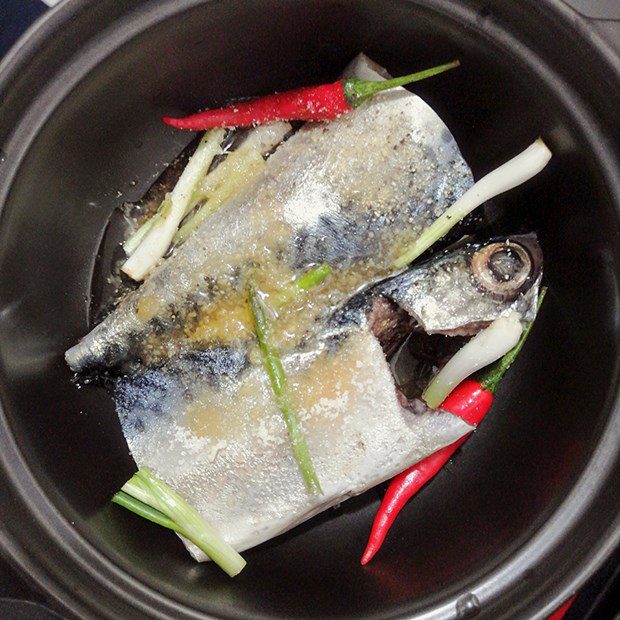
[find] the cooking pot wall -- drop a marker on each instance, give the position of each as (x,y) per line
(102,143)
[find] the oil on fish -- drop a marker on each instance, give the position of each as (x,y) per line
(352,193)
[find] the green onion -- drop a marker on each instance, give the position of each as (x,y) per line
(235,173)
(144,510)
(240,172)
(132,244)
(483,349)
(279,384)
(514,172)
(169,509)
(491,378)
(156,240)
(305,282)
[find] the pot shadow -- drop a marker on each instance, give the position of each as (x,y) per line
(347,507)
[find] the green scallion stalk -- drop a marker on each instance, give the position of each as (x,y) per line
(132,243)
(172,511)
(243,169)
(237,172)
(484,348)
(514,172)
(144,510)
(304,283)
(135,239)
(490,379)
(279,384)
(156,240)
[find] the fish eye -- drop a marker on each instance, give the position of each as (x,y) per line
(506,269)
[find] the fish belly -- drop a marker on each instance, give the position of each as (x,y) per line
(217,437)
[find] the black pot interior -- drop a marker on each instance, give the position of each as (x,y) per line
(102,143)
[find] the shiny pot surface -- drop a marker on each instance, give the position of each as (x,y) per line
(528,508)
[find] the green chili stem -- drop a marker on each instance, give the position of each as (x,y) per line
(279,384)
(490,378)
(356,91)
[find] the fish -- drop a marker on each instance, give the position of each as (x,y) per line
(353,193)
(464,290)
(207,422)
(456,292)
(221,442)
(193,398)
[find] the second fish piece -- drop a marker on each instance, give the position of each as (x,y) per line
(353,193)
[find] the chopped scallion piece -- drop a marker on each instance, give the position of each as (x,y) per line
(305,282)
(241,170)
(157,239)
(514,172)
(235,173)
(169,509)
(490,378)
(279,384)
(144,510)
(483,349)
(132,243)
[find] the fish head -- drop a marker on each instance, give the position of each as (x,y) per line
(461,291)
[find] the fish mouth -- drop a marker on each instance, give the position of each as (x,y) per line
(508,268)
(463,289)
(505,270)
(390,324)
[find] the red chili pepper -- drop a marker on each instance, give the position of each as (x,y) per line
(313,103)
(470,400)
(560,612)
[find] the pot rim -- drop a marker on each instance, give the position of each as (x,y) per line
(91,571)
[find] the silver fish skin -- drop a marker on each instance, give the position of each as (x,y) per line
(211,429)
(208,425)
(352,192)
(460,292)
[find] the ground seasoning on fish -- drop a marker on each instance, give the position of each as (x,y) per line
(313,103)
(341,193)
(470,401)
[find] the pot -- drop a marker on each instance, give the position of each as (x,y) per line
(529,507)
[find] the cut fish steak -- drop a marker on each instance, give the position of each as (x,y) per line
(207,422)
(195,403)
(352,193)
(209,426)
